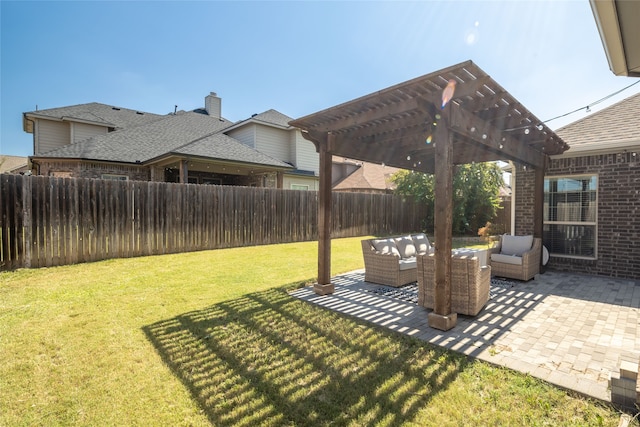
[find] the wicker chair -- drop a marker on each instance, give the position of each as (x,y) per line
(522,267)
(470,283)
(385,269)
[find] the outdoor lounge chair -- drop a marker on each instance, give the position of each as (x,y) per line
(392,261)
(470,283)
(516,257)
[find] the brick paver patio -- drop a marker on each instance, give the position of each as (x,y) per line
(570,330)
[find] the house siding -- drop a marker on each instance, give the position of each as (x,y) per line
(618,226)
(304,153)
(273,142)
(82,131)
(51,135)
(245,134)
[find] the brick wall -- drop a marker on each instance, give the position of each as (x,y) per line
(618,242)
(525,180)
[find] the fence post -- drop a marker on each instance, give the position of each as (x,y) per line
(27,226)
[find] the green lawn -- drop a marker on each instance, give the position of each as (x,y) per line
(213,338)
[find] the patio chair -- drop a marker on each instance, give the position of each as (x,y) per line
(516,257)
(470,283)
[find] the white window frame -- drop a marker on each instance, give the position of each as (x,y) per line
(303,187)
(593,224)
(114,177)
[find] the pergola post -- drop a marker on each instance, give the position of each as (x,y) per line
(324,285)
(441,317)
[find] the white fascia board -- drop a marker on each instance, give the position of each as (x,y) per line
(606,16)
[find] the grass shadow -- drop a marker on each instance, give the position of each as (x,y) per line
(270,359)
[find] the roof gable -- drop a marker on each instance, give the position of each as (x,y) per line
(270,118)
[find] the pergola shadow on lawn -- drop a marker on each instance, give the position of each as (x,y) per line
(423,125)
(269,359)
(567,329)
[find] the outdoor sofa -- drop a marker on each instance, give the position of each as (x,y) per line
(470,283)
(516,257)
(392,261)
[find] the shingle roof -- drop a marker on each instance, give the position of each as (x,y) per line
(143,142)
(9,163)
(368,176)
(222,147)
(187,133)
(274,117)
(617,123)
(269,117)
(107,115)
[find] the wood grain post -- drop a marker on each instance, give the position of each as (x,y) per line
(184,171)
(324,285)
(441,317)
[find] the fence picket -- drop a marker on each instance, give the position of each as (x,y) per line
(48,221)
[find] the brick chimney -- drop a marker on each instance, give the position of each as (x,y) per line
(213,105)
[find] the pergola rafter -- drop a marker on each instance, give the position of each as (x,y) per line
(404,126)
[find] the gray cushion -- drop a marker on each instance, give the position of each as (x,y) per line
(516,245)
(408,264)
(386,246)
(405,246)
(421,242)
(506,259)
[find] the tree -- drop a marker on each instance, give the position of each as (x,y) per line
(475,194)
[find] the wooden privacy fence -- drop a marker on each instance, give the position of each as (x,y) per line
(49,221)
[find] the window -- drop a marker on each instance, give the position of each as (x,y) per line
(299,187)
(115,177)
(570,215)
(60,174)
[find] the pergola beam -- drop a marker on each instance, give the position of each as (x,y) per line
(370,113)
(490,137)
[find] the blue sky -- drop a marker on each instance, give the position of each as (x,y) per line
(297,57)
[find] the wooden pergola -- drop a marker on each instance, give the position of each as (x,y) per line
(405,126)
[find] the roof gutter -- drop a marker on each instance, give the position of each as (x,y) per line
(600,147)
(67,119)
(606,15)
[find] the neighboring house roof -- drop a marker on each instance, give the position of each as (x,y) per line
(369,176)
(610,128)
(222,147)
(270,117)
(187,133)
(12,163)
(96,113)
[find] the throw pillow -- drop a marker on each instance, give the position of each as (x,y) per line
(405,246)
(386,246)
(516,245)
(421,242)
